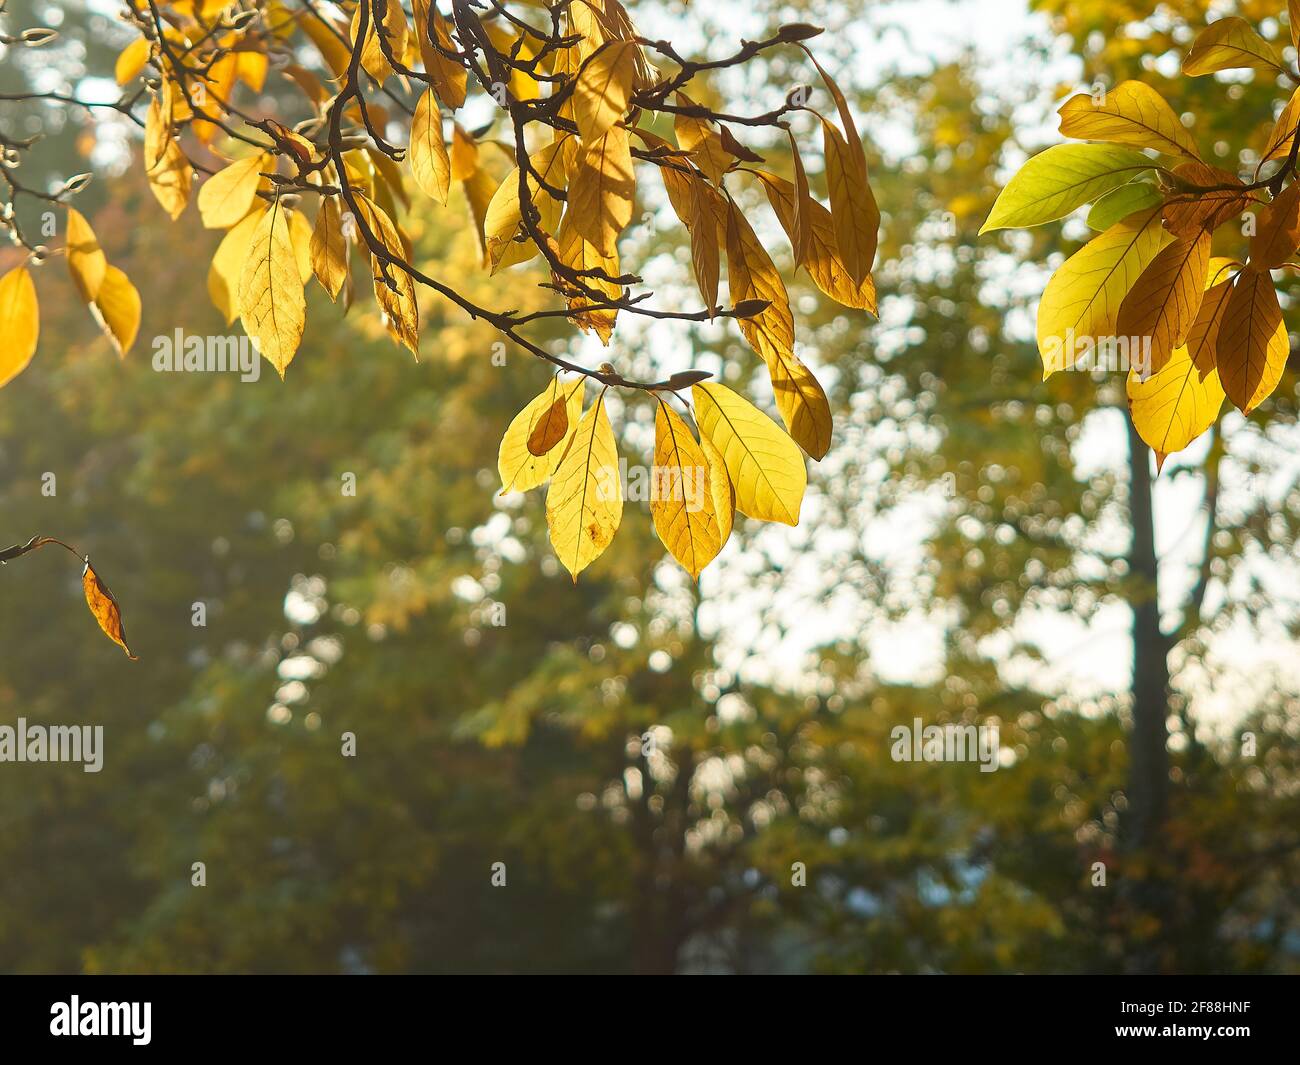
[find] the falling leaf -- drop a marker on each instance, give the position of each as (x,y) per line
(104,608)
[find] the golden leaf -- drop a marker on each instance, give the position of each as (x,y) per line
(1230,44)
(1162,305)
(603,88)
(705,259)
(228,195)
(823,263)
(576,252)
(584,503)
(131,61)
(104,608)
(1203,338)
(271,300)
(853,206)
(681,497)
(228,264)
(1132,113)
(397,302)
(329,248)
(166,166)
(1188,213)
(117,310)
(1278,234)
(764,464)
(724,495)
(601,189)
(86,261)
(799,396)
(430,165)
(1082,300)
(1252,346)
(1175,405)
(550,429)
(449,77)
(698,137)
(20,323)
(508,241)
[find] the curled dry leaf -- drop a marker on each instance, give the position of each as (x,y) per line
(104,607)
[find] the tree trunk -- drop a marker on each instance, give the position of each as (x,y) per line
(1148,775)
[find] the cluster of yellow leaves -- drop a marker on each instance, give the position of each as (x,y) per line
(1195,327)
(741,460)
(109,294)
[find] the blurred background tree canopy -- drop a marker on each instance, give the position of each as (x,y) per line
(650,762)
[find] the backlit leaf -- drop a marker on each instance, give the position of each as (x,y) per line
(20,324)
(272,306)
(86,261)
(764,464)
(681,498)
(1132,113)
(104,608)
(117,310)
(228,195)
(1055,182)
(520,468)
(1253,345)
(584,503)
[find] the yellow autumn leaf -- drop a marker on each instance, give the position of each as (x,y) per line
(1080,305)
(704,143)
(117,310)
(398,301)
(228,261)
(1203,338)
(1132,113)
(584,503)
(705,255)
(104,608)
(1278,234)
(272,305)
(764,464)
(508,242)
(853,206)
(1253,345)
(823,261)
(603,88)
(1175,405)
(373,57)
(681,496)
(1230,44)
(1161,307)
(724,495)
(449,77)
(430,164)
(228,195)
(329,249)
(601,189)
(166,167)
(751,275)
(20,323)
(131,61)
(576,252)
(300,233)
(520,468)
(86,261)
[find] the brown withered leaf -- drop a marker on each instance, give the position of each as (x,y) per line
(1186,214)
(551,427)
(104,608)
